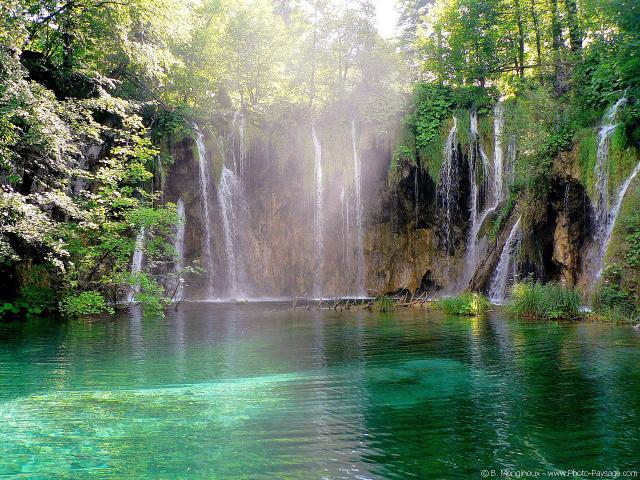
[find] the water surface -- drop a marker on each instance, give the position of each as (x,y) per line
(259,391)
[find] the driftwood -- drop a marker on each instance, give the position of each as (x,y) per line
(366,304)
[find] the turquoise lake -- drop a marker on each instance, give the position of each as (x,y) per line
(245,391)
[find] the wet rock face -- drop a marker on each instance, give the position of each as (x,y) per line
(411,202)
(553,247)
(572,208)
(452,216)
(404,238)
(398,260)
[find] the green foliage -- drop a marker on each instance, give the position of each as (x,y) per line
(402,155)
(622,157)
(616,297)
(473,97)
(533,118)
(79,239)
(611,301)
(467,303)
(464,127)
(150,295)
(36,297)
(432,106)
(503,215)
(84,303)
(587,153)
(549,301)
(384,304)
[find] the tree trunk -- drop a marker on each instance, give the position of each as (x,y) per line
(536,27)
(575,35)
(556,33)
(67,39)
(520,38)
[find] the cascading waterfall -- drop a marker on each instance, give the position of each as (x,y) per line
(506,268)
(179,246)
(498,154)
(233,209)
(237,145)
(136,263)
(473,178)
(448,175)
(357,180)
(483,185)
(605,214)
(489,187)
(601,169)
(204,200)
(318,217)
(615,211)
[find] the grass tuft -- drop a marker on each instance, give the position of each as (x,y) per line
(384,303)
(466,303)
(550,301)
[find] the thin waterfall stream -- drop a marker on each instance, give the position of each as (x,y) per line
(605,212)
(506,268)
(179,247)
(136,263)
(448,175)
(498,153)
(238,151)
(234,209)
(357,181)
(318,215)
(205,199)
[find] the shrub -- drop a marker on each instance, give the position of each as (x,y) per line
(85,303)
(150,296)
(611,301)
(384,303)
(36,297)
(466,303)
(550,301)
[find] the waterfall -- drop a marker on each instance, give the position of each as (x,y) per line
(357,180)
(616,210)
(346,229)
(237,145)
(179,246)
(136,263)
(480,207)
(498,155)
(318,218)
(506,268)
(343,225)
(204,200)
(473,174)
(605,214)
(233,210)
(448,175)
(601,169)
(477,150)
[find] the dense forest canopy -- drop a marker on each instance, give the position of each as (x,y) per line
(94,92)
